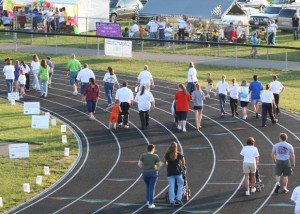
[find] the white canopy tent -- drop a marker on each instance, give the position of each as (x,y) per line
(88,12)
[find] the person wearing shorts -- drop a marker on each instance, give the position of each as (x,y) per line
(251,159)
(73,67)
(182,98)
(244,97)
(198,96)
(255,88)
(284,158)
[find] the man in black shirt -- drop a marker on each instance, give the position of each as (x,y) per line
(295,21)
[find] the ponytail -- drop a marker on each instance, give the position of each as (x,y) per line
(143,90)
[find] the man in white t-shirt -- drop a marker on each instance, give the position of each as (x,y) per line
(251,159)
(84,76)
(153,27)
(125,96)
(145,101)
(181,28)
(276,88)
(191,78)
(145,78)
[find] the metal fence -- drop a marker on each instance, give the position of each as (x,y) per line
(235,51)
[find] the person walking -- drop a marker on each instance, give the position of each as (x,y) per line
(84,77)
(125,95)
(110,80)
(113,117)
(150,164)
(209,87)
(73,67)
(295,23)
(250,161)
(44,77)
(234,96)
(92,94)
(173,161)
(222,88)
(21,83)
(283,157)
(145,78)
(26,70)
(9,74)
(182,99)
(296,199)
(198,96)
(17,73)
(255,88)
(277,88)
(244,97)
(268,104)
(51,72)
(145,101)
(35,66)
(191,78)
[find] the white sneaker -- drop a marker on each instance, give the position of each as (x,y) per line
(126,126)
(74,92)
(151,206)
(247,193)
(253,189)
(147,203)
(184,129)
(179,127)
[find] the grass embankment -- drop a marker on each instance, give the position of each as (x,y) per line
(176,72)
(46,149)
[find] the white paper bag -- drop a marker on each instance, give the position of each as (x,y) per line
(39,180)
(26,187)
(67,152)
(63,128)
(1,202)
(46,170)
(64,139)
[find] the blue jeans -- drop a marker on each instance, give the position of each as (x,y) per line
(180,182)
(91,106)
(190,87)
(153,35)
(44,87)
(222,103)
(168,44)
(296,33)
(150,179)
(162,36)
(9,85)
(109,87)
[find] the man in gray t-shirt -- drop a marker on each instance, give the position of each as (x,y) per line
(284,158)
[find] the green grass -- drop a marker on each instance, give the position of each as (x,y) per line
(176,72)
(46,150)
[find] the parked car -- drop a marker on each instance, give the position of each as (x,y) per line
(121,9)
(285,17)
(269,13)
(258,4)
(237,18)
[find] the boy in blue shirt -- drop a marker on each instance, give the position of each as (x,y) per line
(255,88)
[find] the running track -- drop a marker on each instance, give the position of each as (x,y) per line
(107,179)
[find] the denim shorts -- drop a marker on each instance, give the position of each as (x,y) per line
(82,87)
(73,76)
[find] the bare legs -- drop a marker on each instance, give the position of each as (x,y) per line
(198,118)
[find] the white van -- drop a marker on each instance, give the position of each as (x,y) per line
(285,16)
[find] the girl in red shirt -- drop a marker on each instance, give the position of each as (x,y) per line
(182,99)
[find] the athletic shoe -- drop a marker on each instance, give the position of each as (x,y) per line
(277,188)
(184,129)
(74,92)
(92,117)
(179,127)
(126,126)
(178,202)
(285,190)
(120,124)
(151,206)
(247,193)
(253,189)
(244,117)
(147,203)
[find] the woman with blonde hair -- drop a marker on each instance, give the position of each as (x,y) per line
(244,97)
(174,159)
(182,99)
(198,96)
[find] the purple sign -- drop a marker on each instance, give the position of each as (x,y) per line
(108,29)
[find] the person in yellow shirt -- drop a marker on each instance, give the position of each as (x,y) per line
(65,14)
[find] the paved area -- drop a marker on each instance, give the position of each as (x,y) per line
(107,179)
(221,61)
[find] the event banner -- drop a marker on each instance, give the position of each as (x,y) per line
(119,48)
(108,29)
